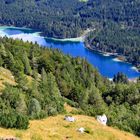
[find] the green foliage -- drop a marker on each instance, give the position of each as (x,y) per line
(57,75)
(120,78)
(22,122)
(26,64)
(34,108)
(58,79)
(123,101)
(116,22)
(13,120)
(113,38)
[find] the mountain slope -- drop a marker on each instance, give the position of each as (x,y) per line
(6,77)
(56,128)
(46,79)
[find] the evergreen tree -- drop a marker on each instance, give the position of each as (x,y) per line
(52,86)
(3,52)
(120,78)
(21,107)
(43,75)
(34,108)
(26,62)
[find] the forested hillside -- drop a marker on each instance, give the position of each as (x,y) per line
(117,23)
(59,18)
(46,79)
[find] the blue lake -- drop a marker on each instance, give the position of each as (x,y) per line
(107,65)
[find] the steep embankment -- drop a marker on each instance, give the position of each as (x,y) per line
(56,128)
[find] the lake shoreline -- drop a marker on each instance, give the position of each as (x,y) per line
(118,57)
(38,37)
(76,39)
(131,80)
(80,38)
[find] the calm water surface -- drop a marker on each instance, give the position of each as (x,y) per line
(105,64)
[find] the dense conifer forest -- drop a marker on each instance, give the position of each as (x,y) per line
(117,23)
(46,79)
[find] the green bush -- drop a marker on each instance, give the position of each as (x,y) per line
(13,120)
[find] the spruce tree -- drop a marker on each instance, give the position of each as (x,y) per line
(27,66)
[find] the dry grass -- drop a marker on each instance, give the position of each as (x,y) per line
(56,128)
(6,77)
(69,109)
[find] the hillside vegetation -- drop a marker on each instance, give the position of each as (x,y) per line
(56,128)
(6,77)
(46,79)
(117,23)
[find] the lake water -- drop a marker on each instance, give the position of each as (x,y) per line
(107,65)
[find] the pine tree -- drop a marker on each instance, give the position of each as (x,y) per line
(43,75)
(2,50)
(21,105)
(52,86)
(27,66)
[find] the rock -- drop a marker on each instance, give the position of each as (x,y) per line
(69,118)
(81,130)
(102,119)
